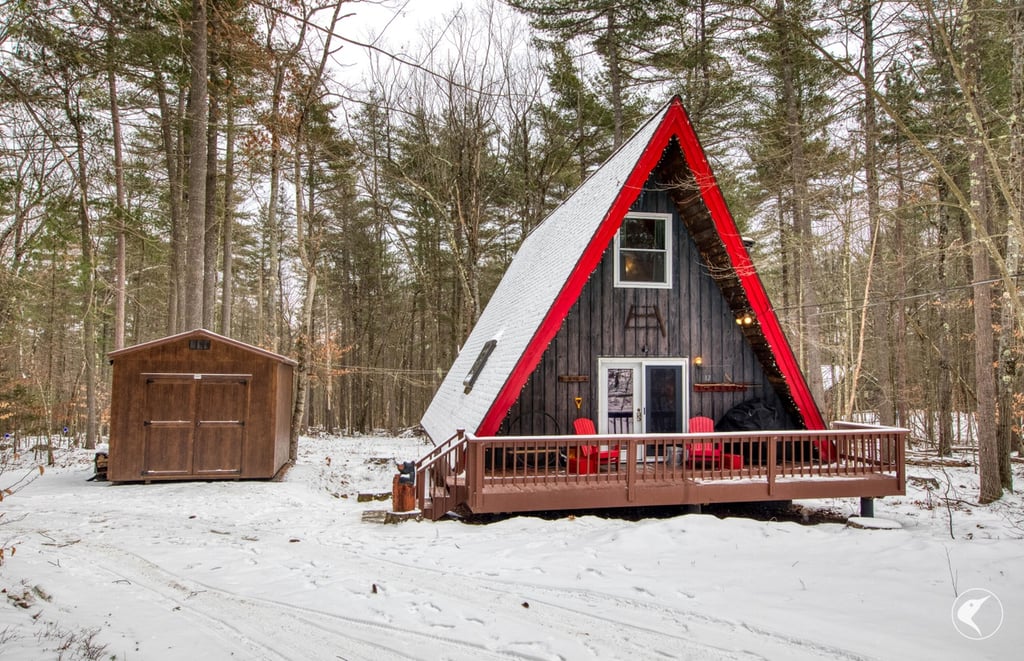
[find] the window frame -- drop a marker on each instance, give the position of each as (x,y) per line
(666,283)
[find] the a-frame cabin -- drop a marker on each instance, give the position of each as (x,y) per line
(635,306)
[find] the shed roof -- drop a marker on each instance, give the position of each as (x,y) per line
(554,262)
(196,333)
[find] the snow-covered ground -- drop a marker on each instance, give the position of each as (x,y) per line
(290,570)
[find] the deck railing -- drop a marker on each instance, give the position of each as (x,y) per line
(474,466)
(774,456)
(436,474)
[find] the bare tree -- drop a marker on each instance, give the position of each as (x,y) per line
(195,256)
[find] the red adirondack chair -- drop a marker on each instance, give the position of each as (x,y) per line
(704,452)
(710,453)
(591,457)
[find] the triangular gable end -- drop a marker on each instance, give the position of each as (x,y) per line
(200,333)
(673,123)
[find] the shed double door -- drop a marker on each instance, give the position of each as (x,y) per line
(194,424)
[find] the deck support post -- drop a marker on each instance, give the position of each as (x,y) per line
(692,508)
(867,507)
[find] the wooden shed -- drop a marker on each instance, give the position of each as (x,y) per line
(198,405)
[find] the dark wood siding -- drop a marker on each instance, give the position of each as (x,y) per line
(182,413)
(698,321)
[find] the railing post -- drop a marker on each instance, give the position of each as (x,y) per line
(473,457)
(772,470)
(631,469)
(901,459)
(421,477)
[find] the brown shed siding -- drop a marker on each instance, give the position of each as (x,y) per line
(198,413)
(698,321)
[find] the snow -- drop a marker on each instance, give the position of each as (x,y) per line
(290,570)
(873,523)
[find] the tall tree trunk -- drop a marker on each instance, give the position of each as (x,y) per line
(195,248)
(615,77)
(175,285)
(984,360)
(881,313)
(211,231)
(329,413)
(228,221)
(1010,346)
(87,275)
(944,385)
(304,338)
(273,232)
(120,278)
(809,312)
(306,242)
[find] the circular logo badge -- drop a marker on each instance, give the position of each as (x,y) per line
(977,614)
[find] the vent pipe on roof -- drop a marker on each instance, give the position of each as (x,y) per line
(748,242)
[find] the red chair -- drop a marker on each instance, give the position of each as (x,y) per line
(703,453)
(710,452)
(591,457)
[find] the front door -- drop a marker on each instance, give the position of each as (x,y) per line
(642,396)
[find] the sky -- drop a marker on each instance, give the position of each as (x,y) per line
(392,25)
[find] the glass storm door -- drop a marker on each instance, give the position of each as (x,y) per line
(642,396)
(621,413)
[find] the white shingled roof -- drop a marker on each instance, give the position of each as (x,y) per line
(528,290)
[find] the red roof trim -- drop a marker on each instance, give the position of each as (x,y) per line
(674,123)
(751,282)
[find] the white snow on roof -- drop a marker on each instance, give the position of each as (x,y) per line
(529,288)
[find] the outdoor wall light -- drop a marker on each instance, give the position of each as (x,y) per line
(698,361)
(745,319)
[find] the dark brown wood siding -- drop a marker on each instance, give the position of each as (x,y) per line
(183,413)
(698,321)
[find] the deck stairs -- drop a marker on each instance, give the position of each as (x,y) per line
(438,489)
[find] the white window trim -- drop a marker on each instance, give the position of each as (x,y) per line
(667,217)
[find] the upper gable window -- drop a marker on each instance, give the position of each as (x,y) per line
(643,251)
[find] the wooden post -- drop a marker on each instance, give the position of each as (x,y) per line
(475,473)
(403,495)
(631,459)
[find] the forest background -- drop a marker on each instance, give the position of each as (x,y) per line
(171,164)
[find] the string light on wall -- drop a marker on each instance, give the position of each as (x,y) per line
(745,319)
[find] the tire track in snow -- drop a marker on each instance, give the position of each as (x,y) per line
(560,621)
(699,630)
(272,629)
(597,633)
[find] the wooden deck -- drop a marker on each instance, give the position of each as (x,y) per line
(526,474)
